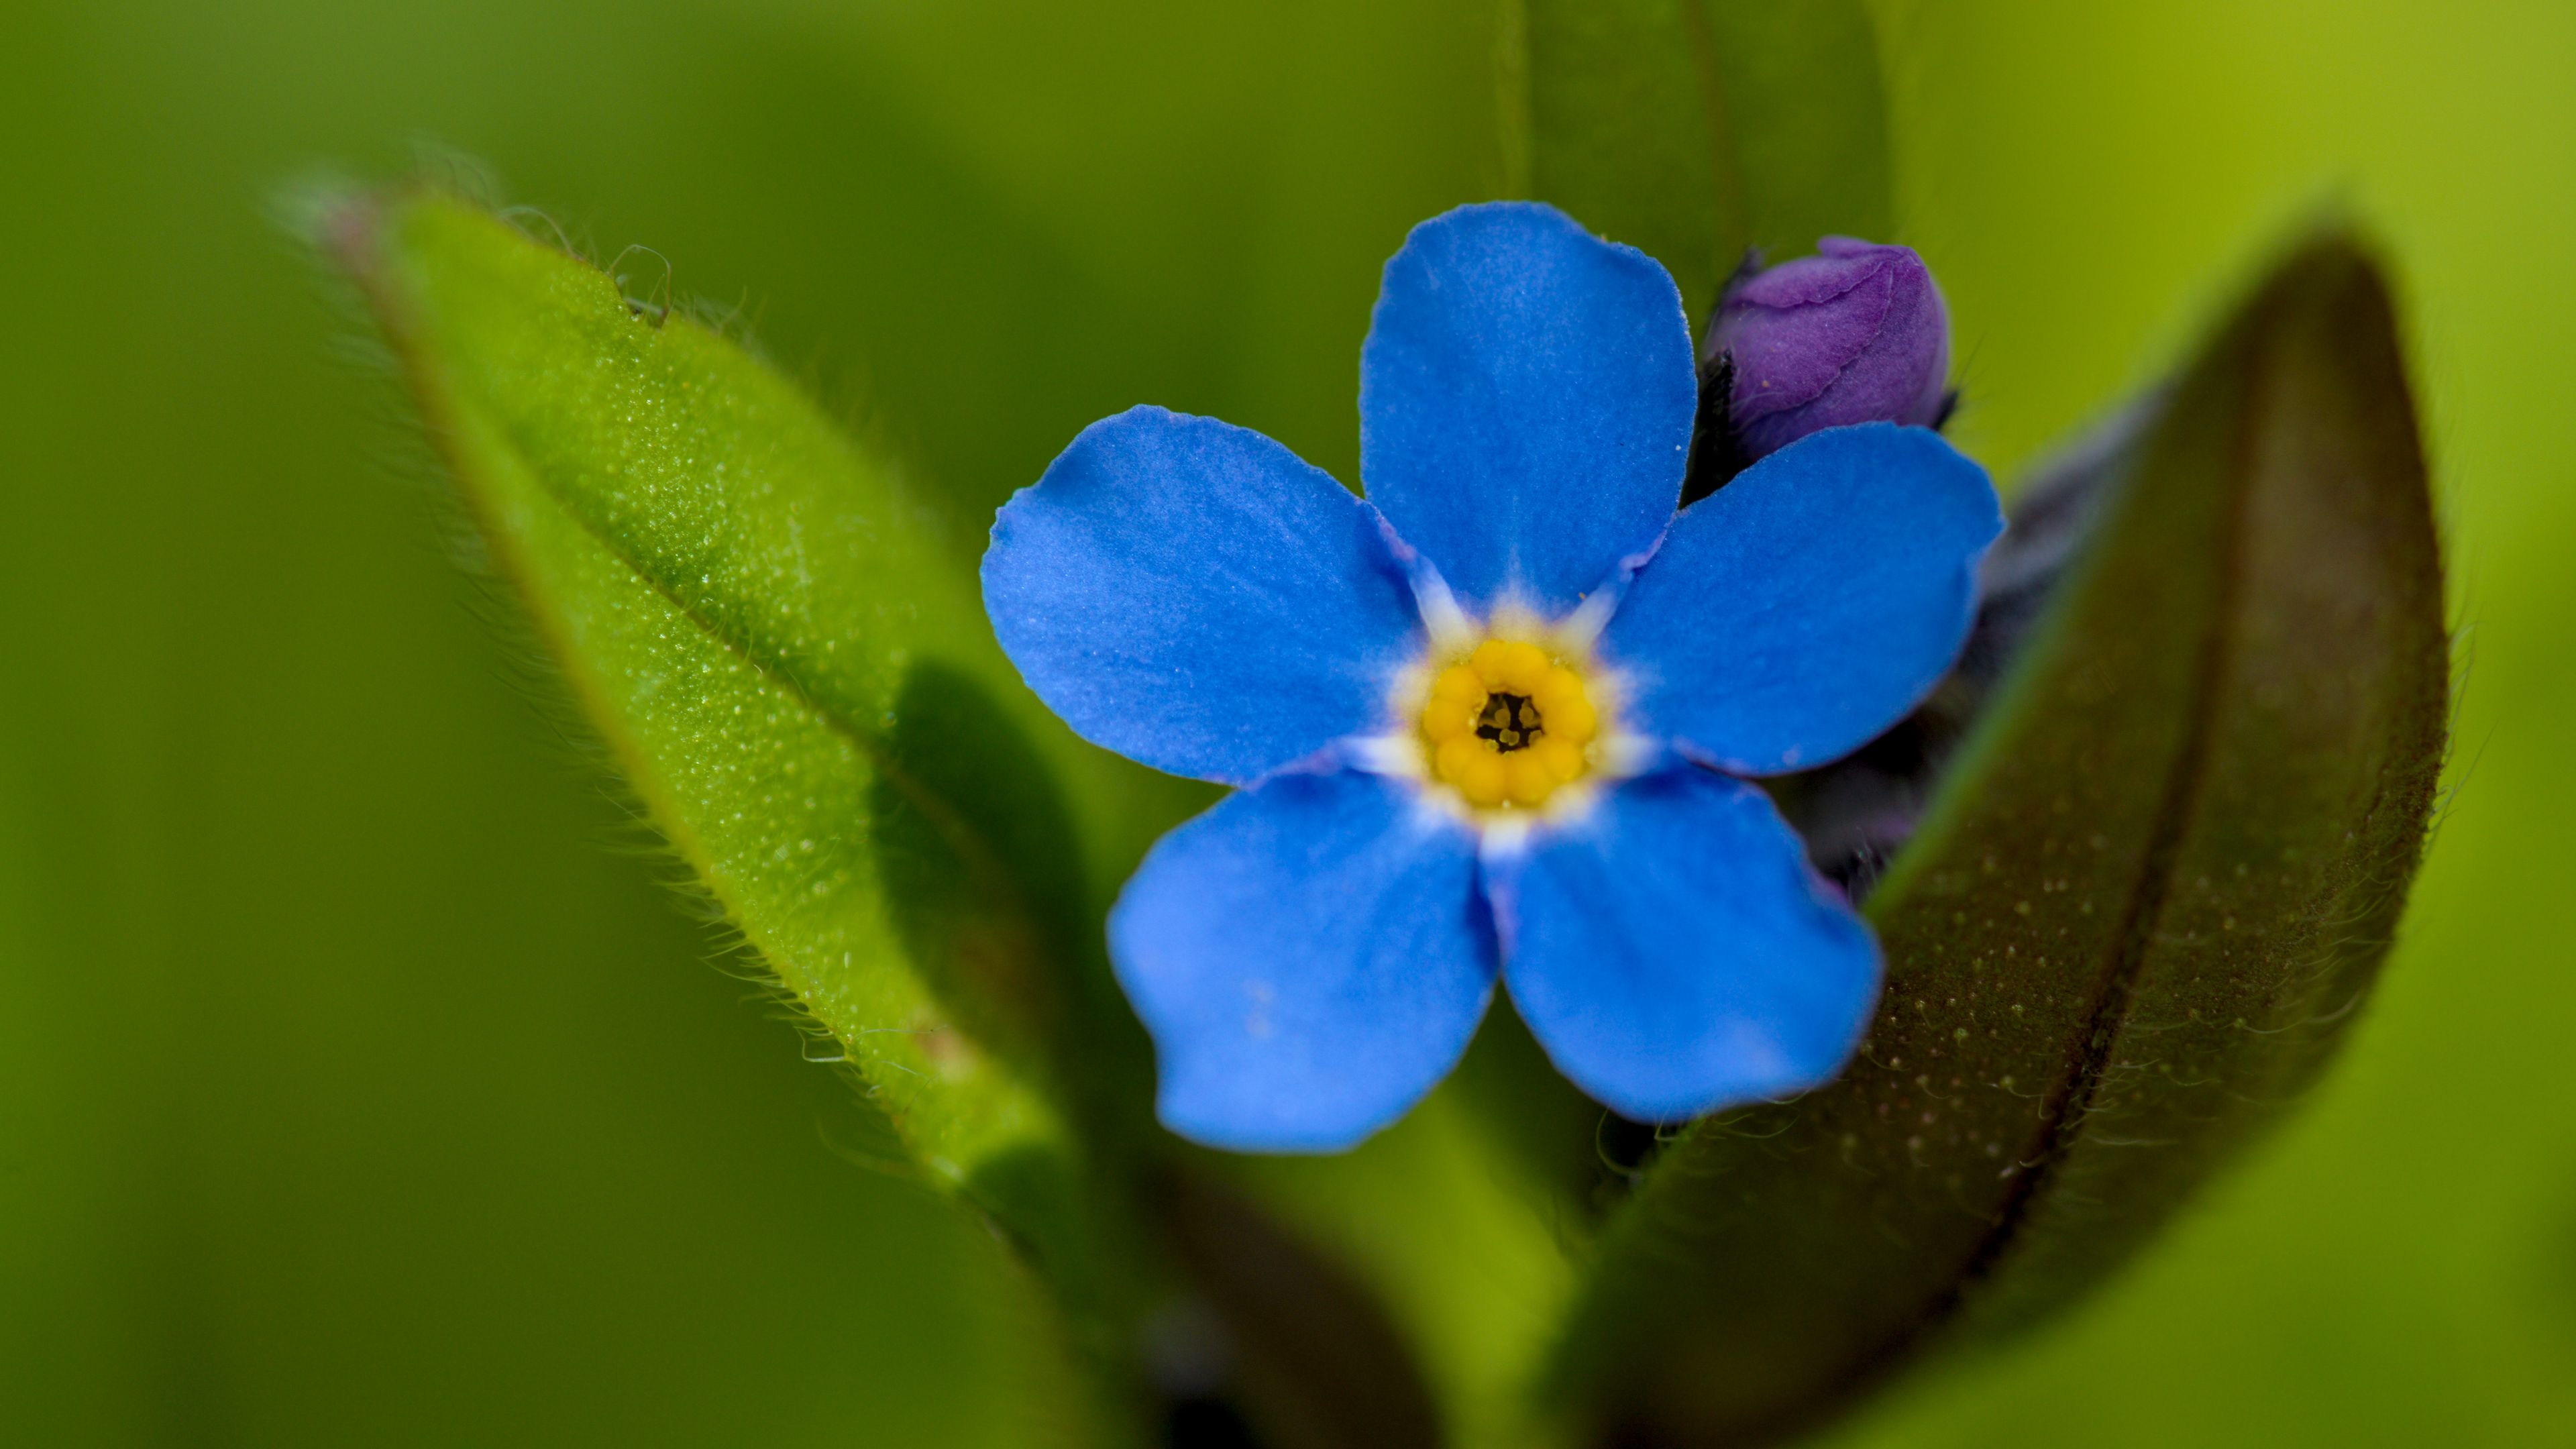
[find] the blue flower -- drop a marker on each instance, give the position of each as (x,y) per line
(1492,719)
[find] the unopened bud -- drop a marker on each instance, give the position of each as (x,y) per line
(1855,334)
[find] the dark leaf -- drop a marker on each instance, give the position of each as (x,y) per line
(1322,1367)
(2153,885)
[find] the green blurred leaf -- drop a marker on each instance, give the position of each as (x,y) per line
(1806,108)
(2154,886)
(1694,129)
(1609,110)
(796,678)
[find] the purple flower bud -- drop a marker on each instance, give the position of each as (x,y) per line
(1856,334)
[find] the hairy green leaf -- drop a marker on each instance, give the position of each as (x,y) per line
(793,673)
(1695,129)
(2155,883)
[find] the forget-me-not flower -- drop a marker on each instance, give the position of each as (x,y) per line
(1491,719)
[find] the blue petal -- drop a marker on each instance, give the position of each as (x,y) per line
(1192,595)
(1674,954)
(1525,402)
(1310,956)
(1796,613)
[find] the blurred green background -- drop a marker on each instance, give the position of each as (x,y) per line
(362,1082)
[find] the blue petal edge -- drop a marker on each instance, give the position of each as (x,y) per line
(1796,613)
(1674,954)
(1526,399)
(1197,598)
(1310,957)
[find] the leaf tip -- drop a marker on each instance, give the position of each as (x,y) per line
(343,221)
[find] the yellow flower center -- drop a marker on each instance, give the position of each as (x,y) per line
(1507,725)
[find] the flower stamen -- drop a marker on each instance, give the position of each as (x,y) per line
(1507,725)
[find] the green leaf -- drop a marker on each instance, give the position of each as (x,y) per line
(793,672)
(1609,111)
(2153,887)
(1807,109)
(1694,129)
